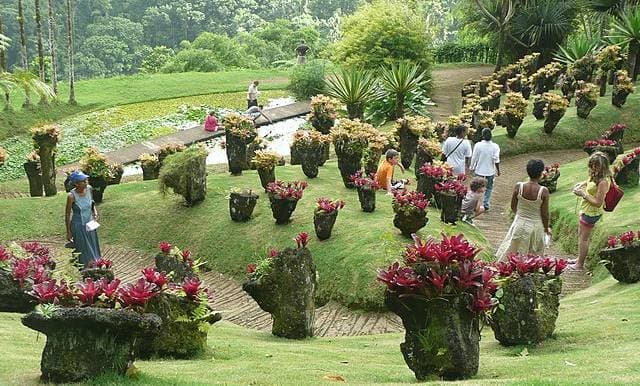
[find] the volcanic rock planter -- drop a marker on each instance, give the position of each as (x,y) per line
(628,176)
(422,157)
(295,155)
(442,337)
(530,310)
(116,177)
(623,262)
(551,183)
(349,164)
(282,209)
(236,148)
(371,161)
(367,198)
(13,298)
(513,123)
(180,336)
(526,91)
(99,184)
(241,205)
(584,107)
(267,176)
(310,158)
(324,223)
(97,273)
(87,342)
(427,186)
(411,222)
(323,125)
(171,263)
(551,120)
(326,147)
(538,108)
(610,151)
(619,97)
(408,144)
(450,207)
(287,292)
(149,172)
(34,174)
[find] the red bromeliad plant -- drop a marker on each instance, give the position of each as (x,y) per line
(453,187)
(518,265)
(599,142)
(361,181)
(614,129)
(152,275)
(326,206)
(101,263)
(286,190)
(51,292)
(408,202)
(165,247)
(89,291)
(109,288)
(138,294)
(442,269)
(550,172)
(437,171)
(192,288)
(625,239)
(302,239)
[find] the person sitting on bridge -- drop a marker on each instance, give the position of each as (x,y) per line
(255,112)
(211,122)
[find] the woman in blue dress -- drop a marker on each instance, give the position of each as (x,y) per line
(79,211)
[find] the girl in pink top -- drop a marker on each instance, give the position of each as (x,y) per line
(211,123)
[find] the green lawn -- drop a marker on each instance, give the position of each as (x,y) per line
(94,94)
(595,342)
(565,218)
(136,215)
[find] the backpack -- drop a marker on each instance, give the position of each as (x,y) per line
(613,197)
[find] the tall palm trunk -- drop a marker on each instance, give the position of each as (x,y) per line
(52,48)
(72,81)
(3,67)
(24,61)
(634,52)
(43,99)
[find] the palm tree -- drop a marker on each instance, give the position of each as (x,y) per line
(627,29)
(354,88)
(72,80)
(400,80)
(24,61)
(576,48)
(43,100)
(497,15)
(7,85)
(52,48)
(30,83)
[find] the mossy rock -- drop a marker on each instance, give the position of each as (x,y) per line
(97,273)
(623,262)
(14,298)
(528,309)
(170,263)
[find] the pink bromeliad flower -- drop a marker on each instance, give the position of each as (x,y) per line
(165,247)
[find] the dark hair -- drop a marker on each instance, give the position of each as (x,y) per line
(487,134)
(459,130)
(477,183)
(535,167)
(212,112)
(390,154)
(261,106)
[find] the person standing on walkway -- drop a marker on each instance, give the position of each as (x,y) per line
(530,203)
(457,150)
(80,211)
(592,192)
(252,94)
(485,162)
(301,52)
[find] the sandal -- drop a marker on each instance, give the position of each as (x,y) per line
(574,268)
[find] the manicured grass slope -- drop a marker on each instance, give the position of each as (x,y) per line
(565,219)
(98,93)
(137,215)
(595,342)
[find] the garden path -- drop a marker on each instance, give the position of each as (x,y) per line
(495,223)
(447,83)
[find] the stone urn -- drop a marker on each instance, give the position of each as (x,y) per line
(241,205)
(551,120)
(349,164)
(287,292)
(551,183)
(451,206)
(310,158)
(538,108)
(367,198)
(427,186)
(172,263)
(84,343)
(628,176)
(619,97)
(34,175)
(623,262)
(323,223)
(267,176)
(183,334)
(410,222)
(512,124)
(442,337)
(96,274)
(99,184)
(236,148)
(530,309)
(408,145)
(13,297)
(282,209)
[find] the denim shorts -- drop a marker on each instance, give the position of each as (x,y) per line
(589,221)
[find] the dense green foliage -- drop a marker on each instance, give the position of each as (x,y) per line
(307,80)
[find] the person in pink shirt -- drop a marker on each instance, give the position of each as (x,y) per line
(211,122)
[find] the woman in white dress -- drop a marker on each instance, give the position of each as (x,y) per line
(530,203)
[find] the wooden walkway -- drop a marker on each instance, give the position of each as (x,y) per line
(197,134)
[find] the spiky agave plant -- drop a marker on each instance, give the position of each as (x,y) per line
(355,88)
(30,83)
(577,48)
(400,80)
(626,28)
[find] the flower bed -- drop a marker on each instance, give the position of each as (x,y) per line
(530,289)
(325,215)
(367,187)
(283,284)
(622,257)
(550,176)
(410,208)
(441,293)
(284,197)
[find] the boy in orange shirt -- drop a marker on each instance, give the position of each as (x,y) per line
(384,175)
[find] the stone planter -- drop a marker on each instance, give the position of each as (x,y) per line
(513,123)
(442,337)
(602,82)
(616,136)
(408,145)
(539,86)
(530,310)
(450,207)
(267,176)
(371,162)
(310,159)
(584,107)
(410,223)
(236,148)
(494,103)
(116,178)
(326,147)
(422,158)
(68,185)
(551,184)
(427,186)
(619,97)
(322,125)
(150,172)
(34,174)
(282,209)
(538,108)
(324,223)
(349,164)
(170,263)
(241,206)
(287,293)
(551,120)
(295,155)
(610,151)
(367,198)
(623,262)
(180,335)
(96,274)
(14,298)
(526,91)
(87,342)
(99,184)
(628,176)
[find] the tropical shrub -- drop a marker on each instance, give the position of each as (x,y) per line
(95,164)
(354,88)
(323,113)
(307,80)
(185,173)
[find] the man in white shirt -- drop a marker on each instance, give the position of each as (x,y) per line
(485,162)
(457,150)
(252,94)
